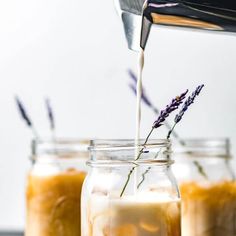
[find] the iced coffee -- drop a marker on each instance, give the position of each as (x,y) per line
(132,217)
(207,186)
(53,204)
(53,190)
(117,200)
(208,210)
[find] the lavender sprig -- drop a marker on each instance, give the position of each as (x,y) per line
(26,117)
(146,100)
(187,103)
(50,114)
(178,117)
(175,103)
(169,108)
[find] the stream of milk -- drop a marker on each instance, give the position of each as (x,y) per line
(138,110)
(138,99)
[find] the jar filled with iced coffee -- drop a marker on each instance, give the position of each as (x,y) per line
(54,187)
(207,186)
(125,196)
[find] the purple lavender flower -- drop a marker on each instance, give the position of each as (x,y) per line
(50,114)
(169,108)
(23,112)
(188,102)
(26,117)
(148,102)
(132,76)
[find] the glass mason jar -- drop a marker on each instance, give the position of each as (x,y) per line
(115,200)
(54,187)
(207,186)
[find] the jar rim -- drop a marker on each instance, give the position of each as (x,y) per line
(203,147)
(126,144)
(125,151)
(61,140)
(61,147)
(149,162)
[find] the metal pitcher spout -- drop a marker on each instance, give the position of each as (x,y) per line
(139,15)
(130,12)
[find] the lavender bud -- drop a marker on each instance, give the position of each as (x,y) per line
(169,108)
(188,102)
(23,112)
(50,114)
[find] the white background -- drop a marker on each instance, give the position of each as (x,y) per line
(75,52)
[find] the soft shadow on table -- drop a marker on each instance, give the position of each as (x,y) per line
(8,233)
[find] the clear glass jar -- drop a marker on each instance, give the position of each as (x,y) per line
(208,190)
(54,187)
(149,209)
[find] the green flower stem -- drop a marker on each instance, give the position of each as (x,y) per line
(200,169)
(171,130)
(137,158)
